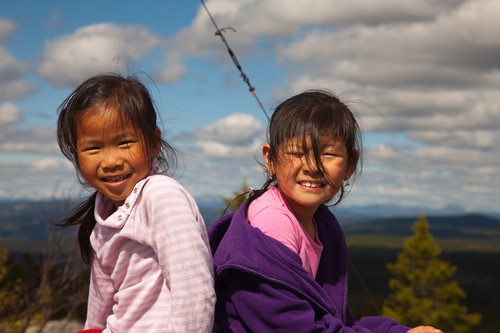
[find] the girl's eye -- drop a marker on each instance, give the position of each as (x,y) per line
(294,153)
(91,148)
(125,143)
(331,154)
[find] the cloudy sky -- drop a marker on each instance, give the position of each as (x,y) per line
(423,77)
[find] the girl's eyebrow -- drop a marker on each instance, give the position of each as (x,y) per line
(332,145)
(87,142)
(293,147)
(126,134)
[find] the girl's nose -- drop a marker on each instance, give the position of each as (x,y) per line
(309,165)
(111,160)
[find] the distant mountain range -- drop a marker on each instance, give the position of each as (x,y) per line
(29,221)
(470,226)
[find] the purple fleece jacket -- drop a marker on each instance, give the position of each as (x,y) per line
(262,287)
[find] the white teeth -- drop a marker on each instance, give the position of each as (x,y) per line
(314,185)
(116,179)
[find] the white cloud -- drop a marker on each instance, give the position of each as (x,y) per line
(480,139)
(37,179)
(237,136)
(15,89)
(235,128)
(440,72)
(9,113)
(276,21)
(10,68)
(6,28)
(430,176)
(433,109)
(425,65)
(213,149)
(93,49)
(38,140)
(47,164)
(207,177)
(173,69)
(272,18)
(12,72)
(224,153)
(450,49)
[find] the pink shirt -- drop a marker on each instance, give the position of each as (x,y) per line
(274,217)
(152,270)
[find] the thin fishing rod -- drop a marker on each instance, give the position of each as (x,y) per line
(219,32)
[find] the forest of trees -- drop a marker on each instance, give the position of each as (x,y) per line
(37,289)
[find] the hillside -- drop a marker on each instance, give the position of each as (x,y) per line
(469,241)
(469,232)
(24,224)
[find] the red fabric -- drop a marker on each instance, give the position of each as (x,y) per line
(92,330)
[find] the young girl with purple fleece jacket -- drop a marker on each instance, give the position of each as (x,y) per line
(280,259)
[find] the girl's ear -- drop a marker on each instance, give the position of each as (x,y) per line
(352,166)
(157,145)
(265,153)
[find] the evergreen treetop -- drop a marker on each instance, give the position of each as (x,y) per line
(423,291)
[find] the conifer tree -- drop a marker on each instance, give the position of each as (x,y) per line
(422,287)
(234,201)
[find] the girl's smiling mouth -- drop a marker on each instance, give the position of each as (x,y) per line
(311,184)
(116,179)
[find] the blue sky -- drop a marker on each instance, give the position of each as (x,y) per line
(424,78)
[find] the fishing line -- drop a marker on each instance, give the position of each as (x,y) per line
(220,33)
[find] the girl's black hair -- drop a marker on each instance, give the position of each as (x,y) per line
(309,116)
(132,100)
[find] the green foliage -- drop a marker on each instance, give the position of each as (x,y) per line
(9,295)
(422,287)
(233,202)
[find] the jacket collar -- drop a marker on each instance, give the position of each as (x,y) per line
(237,245)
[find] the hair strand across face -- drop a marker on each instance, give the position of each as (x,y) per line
(311,118)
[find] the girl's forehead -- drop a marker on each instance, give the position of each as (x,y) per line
(324,140)
(108,114)
(103,119)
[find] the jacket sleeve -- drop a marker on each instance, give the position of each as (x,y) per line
(376,324)
(247,303)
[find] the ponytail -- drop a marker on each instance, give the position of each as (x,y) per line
(254,194)
(83,214)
